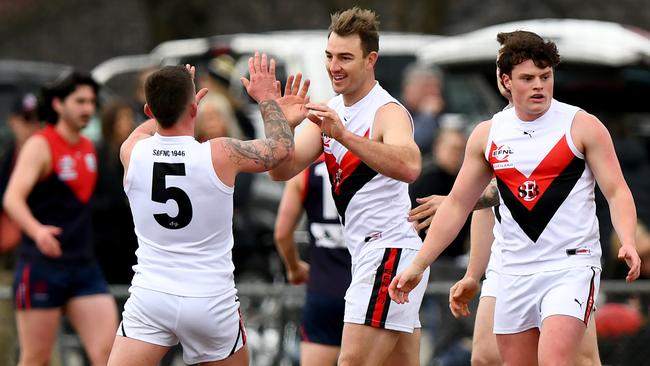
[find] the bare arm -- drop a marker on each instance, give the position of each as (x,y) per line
(289,214)
(146,129)
(591,136)
(481,238)
(392,150)
(423,213)
(33,164)
(231,156)
(474,176)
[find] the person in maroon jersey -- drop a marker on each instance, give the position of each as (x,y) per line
(48,196)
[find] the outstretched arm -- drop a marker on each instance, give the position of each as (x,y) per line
(391,151)
(474,176)
(289,214)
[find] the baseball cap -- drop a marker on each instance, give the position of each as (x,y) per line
(25,104)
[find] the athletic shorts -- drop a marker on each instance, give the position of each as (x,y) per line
(523,302)
(490,284)
(208,328)
(322,319)
(45,285)
(367,300)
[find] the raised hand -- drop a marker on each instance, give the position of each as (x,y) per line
(294,100)
(201,93)
(262,84)
(327,119)
(460,294)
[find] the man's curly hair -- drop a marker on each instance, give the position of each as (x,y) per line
(520,46)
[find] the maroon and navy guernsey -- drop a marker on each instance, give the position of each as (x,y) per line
(63,197)
(329,259)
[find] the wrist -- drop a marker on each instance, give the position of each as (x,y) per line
(419,264)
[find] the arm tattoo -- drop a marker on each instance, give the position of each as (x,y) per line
(489,198)
(268,152)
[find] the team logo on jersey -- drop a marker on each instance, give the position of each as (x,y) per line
(67,168)
(326,143)
(528,190)
(502,153)
(91,162)
(337,177)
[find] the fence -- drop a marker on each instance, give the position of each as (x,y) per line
(273,312)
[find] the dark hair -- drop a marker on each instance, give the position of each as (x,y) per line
(108,116)
(520,46)
(357,21)
(168,92)
(60,89)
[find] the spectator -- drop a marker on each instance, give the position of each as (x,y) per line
(422,96)
(216,119)
(219,73)
(115,241)
(23,122)
(439,173)
(138,95)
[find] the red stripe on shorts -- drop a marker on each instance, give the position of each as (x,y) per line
(590,299)
(382,301)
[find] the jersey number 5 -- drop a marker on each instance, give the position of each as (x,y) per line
(161,193)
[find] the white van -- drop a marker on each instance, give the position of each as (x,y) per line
(605,68)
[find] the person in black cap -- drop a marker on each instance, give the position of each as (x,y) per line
(23,122)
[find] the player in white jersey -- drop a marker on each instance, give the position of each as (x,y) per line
(181,192)
(550,249)
(367,138)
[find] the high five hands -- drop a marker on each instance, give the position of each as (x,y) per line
(263,86)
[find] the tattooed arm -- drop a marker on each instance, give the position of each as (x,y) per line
(423,214)
(231,156)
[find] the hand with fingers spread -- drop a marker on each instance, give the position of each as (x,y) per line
(262,84)
(460,294)
(46,241)
(629,254)
(423,213)
(294,100)
(327,119)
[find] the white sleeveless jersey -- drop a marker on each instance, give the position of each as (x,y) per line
(494,263)
(547,213)
(183,218)
(373,208)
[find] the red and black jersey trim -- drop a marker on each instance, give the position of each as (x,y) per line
(347,179)
(379,300)
(533,221)
(590,299)
(361,175)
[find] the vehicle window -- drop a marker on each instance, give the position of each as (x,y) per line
(389,71)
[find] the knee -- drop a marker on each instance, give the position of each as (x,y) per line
(485,359)
(98,354)
(34,360)
(350,359)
